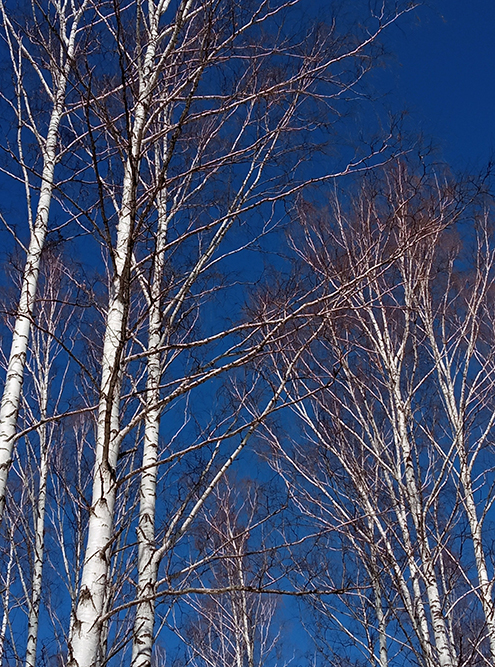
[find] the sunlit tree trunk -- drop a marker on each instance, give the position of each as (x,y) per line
(39,530)
(6,593)
(463,373)
(69,27)
(52,319)
(85,637)
(147,566)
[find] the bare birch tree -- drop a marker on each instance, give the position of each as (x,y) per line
(372,471)
(234,627)
(230,126)
(33,460)
(52,321)
(182,133)
(457,324)
(45,49)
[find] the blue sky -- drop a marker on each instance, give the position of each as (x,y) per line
(443,74)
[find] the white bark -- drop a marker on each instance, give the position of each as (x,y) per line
(85,637)
(378,598)
(147,567)
(39,530)
(86,630)
(51,320)
(9,406)
(6,594)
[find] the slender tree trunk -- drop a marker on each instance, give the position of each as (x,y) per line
(6,596)
(9,406)
(485,583)
(245,619)
(442,643)
(378,599)
(147,565)
(86,630)
(39,530)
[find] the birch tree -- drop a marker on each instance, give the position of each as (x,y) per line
(33,462)
(52,321)
(216,123)
(233,627)
(28,511)
(181,134)
(45,49)
(369,468)
(457,325)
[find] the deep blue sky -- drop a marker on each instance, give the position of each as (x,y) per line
(443,73)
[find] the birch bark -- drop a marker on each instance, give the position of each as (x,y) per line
(39,531)
(147,567)
(85,637)
(53,320)
(11,395)
(456,355)
(6,594)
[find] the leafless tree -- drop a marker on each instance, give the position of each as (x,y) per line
(180,128)
(44,46)
(233,627)
(377,463)
(49,356)
(181,133)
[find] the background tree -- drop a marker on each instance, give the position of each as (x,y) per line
(376,467)
(233,626)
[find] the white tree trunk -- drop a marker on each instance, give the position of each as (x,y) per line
(147,566)
(85,637)
(9,406)
(39,529)
(485,583)
(6,594)
(442,643)
(378,599)
(49,315)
